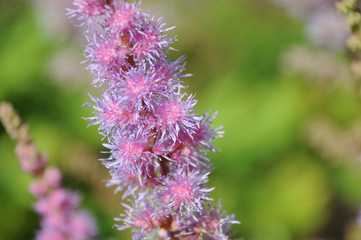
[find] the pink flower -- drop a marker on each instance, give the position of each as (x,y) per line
(150,40)
(112,112)
(52,177)
(30,160)
(125,16)
(37,188)
(175,115)
(81,226)
(87,10)
(157,143)
(106,55)
(130,153)
(184,191)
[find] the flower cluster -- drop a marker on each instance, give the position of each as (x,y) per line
(157,143)
(57,206)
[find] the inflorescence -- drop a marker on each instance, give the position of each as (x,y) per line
(157,142)
(57,206)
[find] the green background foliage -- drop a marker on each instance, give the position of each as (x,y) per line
(279,187)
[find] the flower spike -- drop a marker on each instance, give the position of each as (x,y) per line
(157,142)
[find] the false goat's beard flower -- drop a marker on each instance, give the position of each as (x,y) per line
(157,142)
(111,112)
(183,191)
(87,10)
(56,205)
(106,56)
(147,220)
(130,153)
(124,17)
(192,149)
(150,41)
(142,87)
(212,224)
(175,114)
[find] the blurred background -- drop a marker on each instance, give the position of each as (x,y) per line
(276,71)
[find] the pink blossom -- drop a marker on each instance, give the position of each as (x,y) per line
(52,177)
